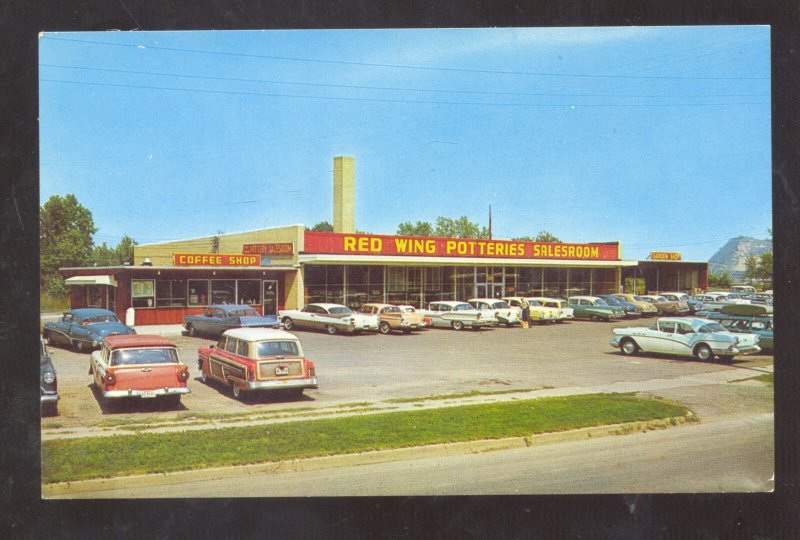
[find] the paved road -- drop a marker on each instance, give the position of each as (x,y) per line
(724,456)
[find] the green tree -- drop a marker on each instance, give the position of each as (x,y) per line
(65,239)
(420,228)
(751,267)
(103,255)
(322,226)
(543,236)
(459,228)
(721,279)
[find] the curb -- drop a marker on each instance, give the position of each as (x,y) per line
(75,488)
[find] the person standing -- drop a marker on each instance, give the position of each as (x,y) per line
(526,313)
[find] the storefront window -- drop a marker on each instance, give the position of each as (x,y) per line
(604,281)
(465,282)
(249,291)
(94,296)
(357,286)
(198,292)
(579,281)
(375,291)
(171,293)
(555,282)
(143,293)
(223,291)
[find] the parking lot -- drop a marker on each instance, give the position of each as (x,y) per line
(373,367)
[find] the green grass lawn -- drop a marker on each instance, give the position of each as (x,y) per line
(78,459)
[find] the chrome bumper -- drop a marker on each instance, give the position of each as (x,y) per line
(146,393)
(288,383)
(49,398)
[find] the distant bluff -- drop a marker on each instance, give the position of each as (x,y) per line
(732,256)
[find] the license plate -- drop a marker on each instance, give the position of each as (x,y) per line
(147,394)
(281,370)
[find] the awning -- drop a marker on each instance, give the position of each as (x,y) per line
(91,280)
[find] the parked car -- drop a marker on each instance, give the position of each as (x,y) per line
(666,307)
(250,359)
(594,308)
(499,309)
(746,290)
(139,366)
(456,315)
(84,328)
(746,319)
(694,304)
(630,310)
(685,336)
(218,318)
(647,308)
(563,311)
(333,318)
(405,308)
(391,317)
(48,382)
(713,301)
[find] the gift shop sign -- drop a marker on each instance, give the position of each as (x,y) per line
(215,259)
(369,244)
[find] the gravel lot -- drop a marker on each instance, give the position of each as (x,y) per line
(374,367)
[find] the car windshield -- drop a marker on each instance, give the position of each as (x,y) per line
(610,300)
(339,310)
(408,309)
(276,348)
(100,319)
(711,327)
(638,298)
(501,305)
(533,303)
(126,357)
(249,312)
(600,302)
(462,307)
(661,299)
(391,309)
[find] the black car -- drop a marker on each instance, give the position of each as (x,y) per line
(48,383)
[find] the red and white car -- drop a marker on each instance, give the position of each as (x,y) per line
(140,366)
(247,359)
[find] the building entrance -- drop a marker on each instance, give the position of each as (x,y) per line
(490,282)
(270,297)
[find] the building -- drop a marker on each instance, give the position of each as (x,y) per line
(287,267)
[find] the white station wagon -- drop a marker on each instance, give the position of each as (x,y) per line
(456,315)
(685,336)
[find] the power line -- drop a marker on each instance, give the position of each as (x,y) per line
(403,66)
(389,88)
(406,101)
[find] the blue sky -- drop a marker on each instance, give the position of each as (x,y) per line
(658,137)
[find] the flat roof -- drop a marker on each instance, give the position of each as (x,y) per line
(455,261)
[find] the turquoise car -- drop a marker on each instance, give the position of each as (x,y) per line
(746,319)
(594,308)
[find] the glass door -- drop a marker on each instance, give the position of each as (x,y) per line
(270,297)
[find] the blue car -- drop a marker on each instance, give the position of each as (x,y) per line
(218,318)
(84,328)
(630,309)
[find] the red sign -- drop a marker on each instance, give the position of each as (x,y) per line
(215,259)
(283,248)
(429,246)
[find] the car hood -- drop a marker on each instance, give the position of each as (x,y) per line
(253,320)
(109,328)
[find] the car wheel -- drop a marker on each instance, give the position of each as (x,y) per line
(192,332)
(628,347)
(237,392)
(385,328)
(703,352)
(331,329)
(509,325)
(457,325)
(203,376)
(288,323)
(593,318)
(49,338)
